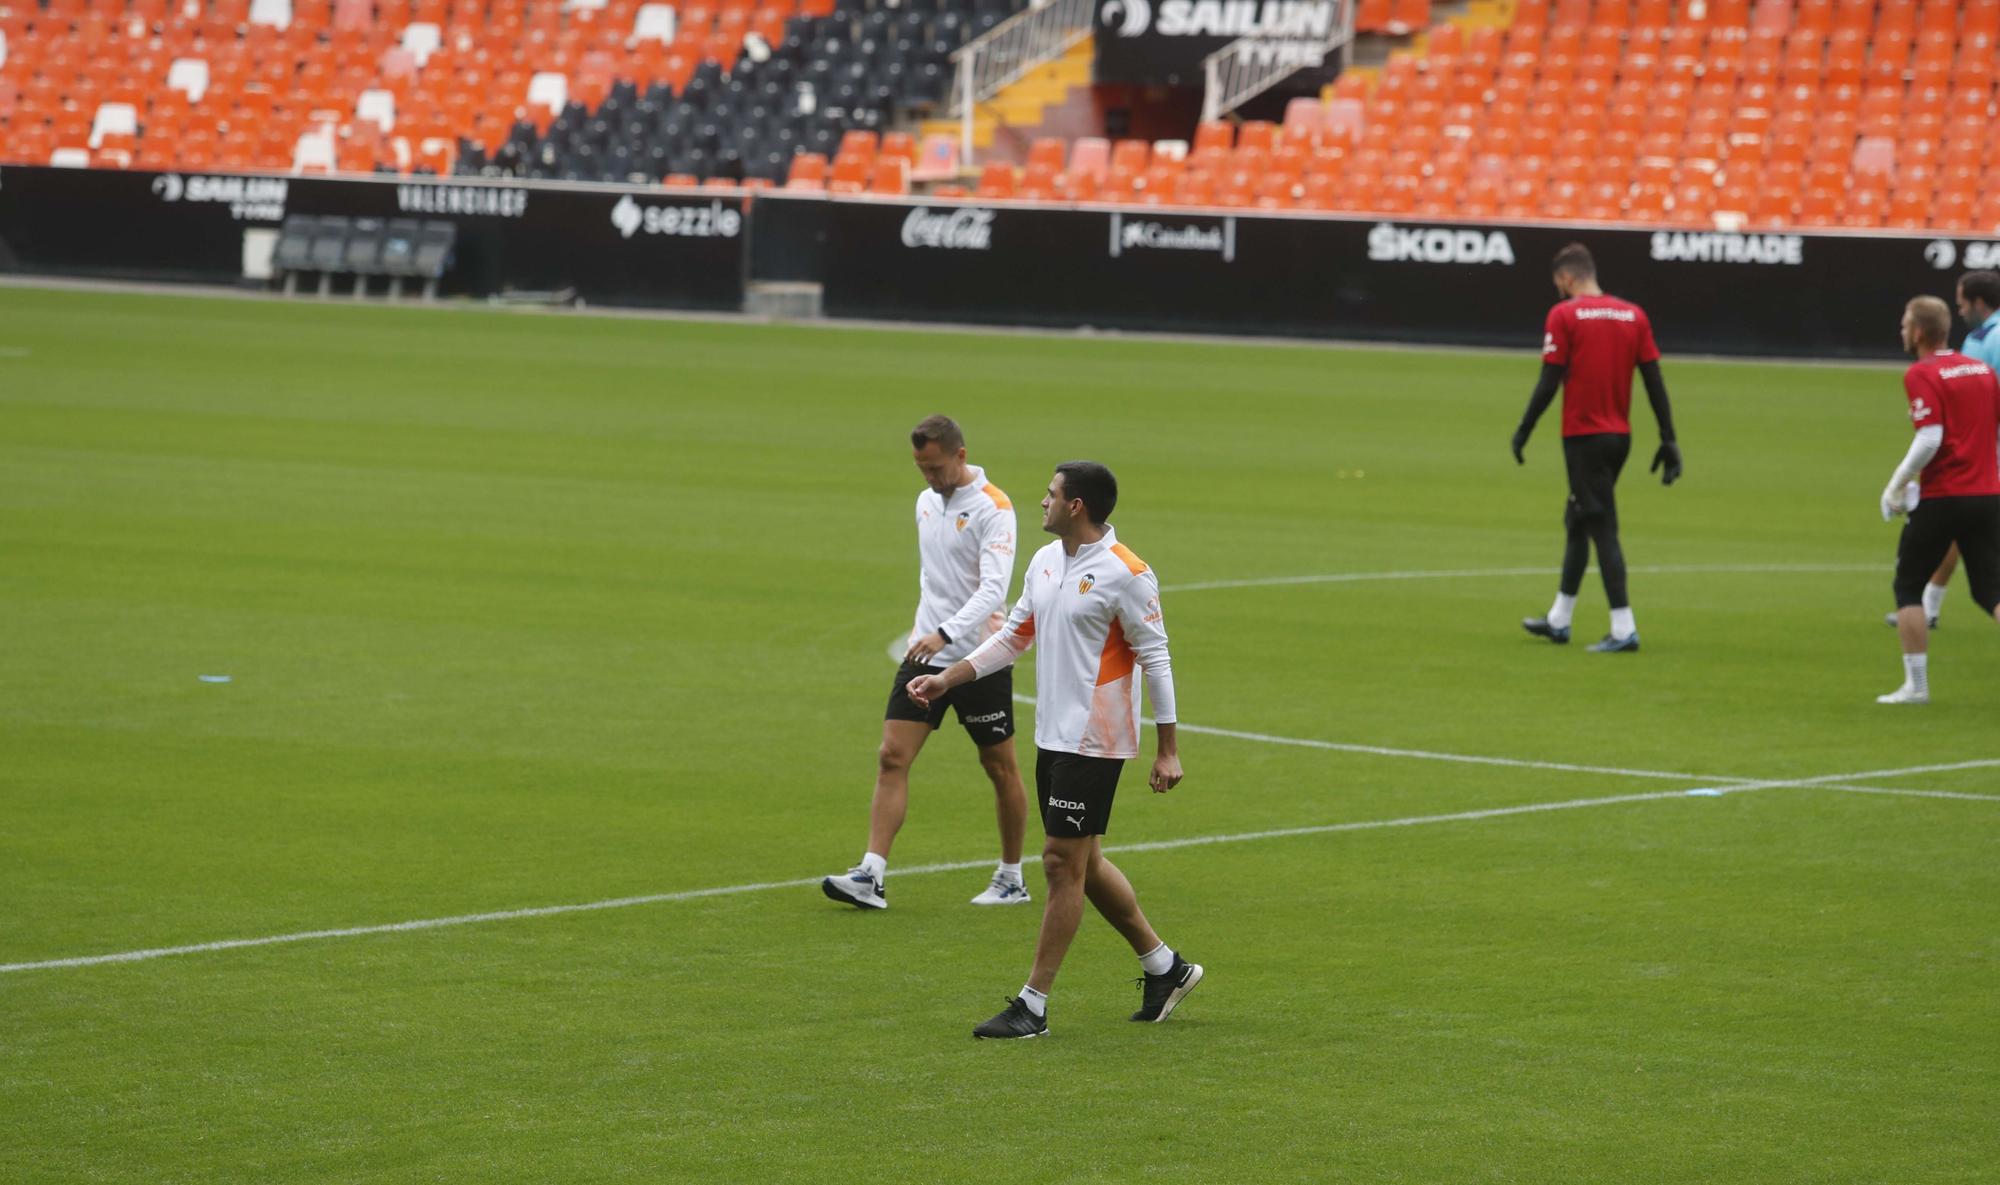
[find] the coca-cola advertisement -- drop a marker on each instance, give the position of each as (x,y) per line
(1321,275)
(962,229)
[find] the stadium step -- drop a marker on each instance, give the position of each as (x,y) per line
(1022,104)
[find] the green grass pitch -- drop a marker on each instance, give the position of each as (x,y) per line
(526,610)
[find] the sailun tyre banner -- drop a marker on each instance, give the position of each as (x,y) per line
(1163,42)
(1165,269)
(617,245)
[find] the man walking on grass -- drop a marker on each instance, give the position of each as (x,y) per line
(1955,409)
(965,538)
(1093,608)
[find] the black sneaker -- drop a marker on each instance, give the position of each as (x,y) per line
(1015,1021)
(1629,644)
(1164,992)
(1540,627)
(1891,619)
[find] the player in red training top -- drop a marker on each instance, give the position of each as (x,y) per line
(1591,346)
(1955,406)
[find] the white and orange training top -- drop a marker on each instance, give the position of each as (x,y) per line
(1095,616)
(966,543)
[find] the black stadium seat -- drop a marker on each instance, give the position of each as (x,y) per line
(399,246)
(867,65)
(364,253)
(294,250)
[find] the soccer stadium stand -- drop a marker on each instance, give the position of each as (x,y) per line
(1773,113)
(1782,113)
(583,90)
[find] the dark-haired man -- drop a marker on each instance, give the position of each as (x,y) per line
(1955,408)
(1590,347)
(1094,609)
(965,537)
(1979,303)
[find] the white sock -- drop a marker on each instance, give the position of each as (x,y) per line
(1037,1002)
(1157,960)
(877,866)
(1917,672)
(1561,612)
(1011,871)
(1621,623)
(1934,598)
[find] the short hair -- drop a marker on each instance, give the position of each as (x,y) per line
(1983,287)
(1093,484)
(942,430)
(1930,317)
(1575,260)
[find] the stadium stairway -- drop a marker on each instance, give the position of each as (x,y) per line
(1051,100)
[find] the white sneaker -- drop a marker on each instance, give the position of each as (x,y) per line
(857,888)
(1003,891)
(1905,694)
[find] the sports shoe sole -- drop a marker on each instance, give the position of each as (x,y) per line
(1178,994)
(830,886)
(1017,899)
(1015,1037)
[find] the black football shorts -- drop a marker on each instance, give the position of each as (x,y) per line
(1594,463)
(1937,523)
(1075,792)
(985,707)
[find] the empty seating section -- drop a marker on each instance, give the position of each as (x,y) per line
(793,94)
(575,89)
(1861,114)
(1745,113)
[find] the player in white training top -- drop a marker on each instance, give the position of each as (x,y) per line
(1093,610)
(965,537)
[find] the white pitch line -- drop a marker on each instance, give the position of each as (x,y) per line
(136,956)
(1459,758)
(1474,573)
(1906,793)
(1429,755)
(1829,781)
(542,911)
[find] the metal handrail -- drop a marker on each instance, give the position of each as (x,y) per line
(1249,66)
(1008,51)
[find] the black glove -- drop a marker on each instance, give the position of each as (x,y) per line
(1670,456)
(1520,443)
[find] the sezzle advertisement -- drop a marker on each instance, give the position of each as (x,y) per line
(607,245)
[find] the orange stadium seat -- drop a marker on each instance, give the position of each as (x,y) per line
(997,180)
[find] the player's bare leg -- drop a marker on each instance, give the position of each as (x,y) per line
(902,740)
(865,885)
(1944,570)
(1168,977)
(1010,798)
(1913,630)
(1113,897)
(1010,808)
(1066,866)
(1935,590)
